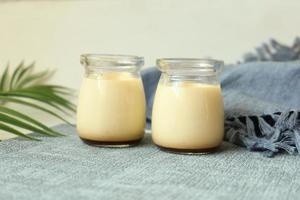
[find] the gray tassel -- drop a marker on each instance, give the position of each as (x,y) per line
(269,134)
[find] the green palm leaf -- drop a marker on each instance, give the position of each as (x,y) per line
(26,88)
(27,118)
(23,73)
(29,104)
(13,121)
(4,78)
(15,74)
(14,131)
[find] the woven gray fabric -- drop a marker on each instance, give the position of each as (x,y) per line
(65,168)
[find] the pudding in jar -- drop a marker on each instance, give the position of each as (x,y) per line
(111,109)
(188,112)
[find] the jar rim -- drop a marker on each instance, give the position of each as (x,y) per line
(190,64)
(111,60)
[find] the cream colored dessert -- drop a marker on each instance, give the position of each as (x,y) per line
(111,108)
(188,116)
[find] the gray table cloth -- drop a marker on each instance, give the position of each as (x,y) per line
(65,168)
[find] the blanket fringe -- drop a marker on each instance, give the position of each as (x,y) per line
(269,134)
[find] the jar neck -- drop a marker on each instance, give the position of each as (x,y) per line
(190,66)
(116,69)
(175,77)
(102,63)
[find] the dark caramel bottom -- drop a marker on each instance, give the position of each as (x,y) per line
(188,151)
(111,144)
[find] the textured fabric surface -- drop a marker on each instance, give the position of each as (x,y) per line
(251,90)
(274,51)
(261,87)
(65,168)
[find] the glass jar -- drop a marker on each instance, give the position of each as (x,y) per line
(111,110)
(188,110)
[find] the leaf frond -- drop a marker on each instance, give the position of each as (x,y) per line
(28,88)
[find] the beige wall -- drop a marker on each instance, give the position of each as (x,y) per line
(55,33)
